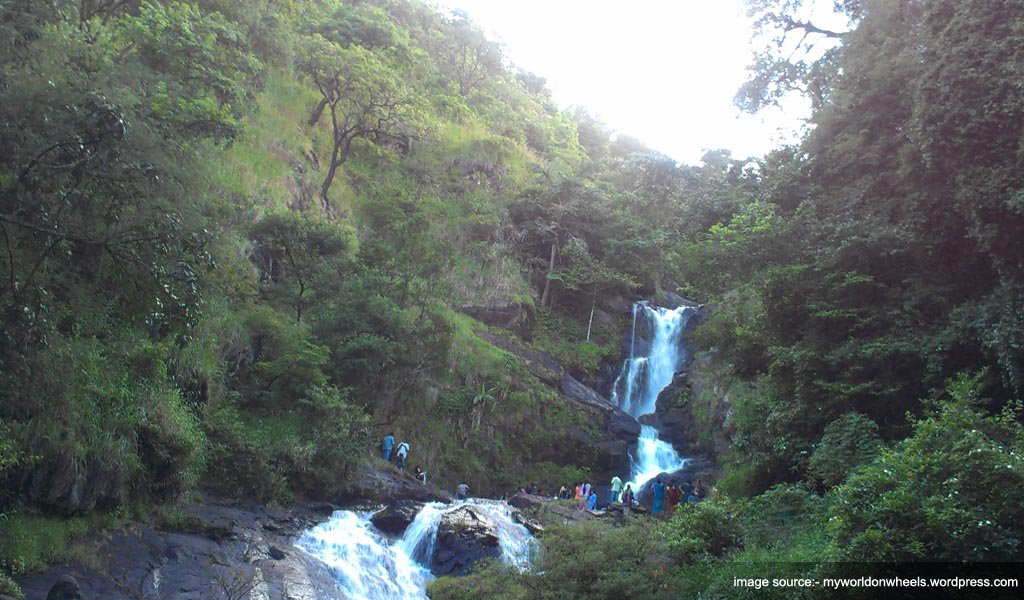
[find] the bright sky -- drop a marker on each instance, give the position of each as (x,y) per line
(663,71)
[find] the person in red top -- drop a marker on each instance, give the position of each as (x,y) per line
(674,495)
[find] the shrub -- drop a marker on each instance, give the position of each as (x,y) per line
(847,442)
(711,528)
(953,491)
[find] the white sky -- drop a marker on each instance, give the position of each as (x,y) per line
(663,71)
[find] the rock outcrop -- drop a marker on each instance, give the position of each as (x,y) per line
(516,317)
(214,550)
(464,537)
(395,518)
(384,485)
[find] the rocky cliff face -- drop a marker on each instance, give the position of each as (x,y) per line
(215,550)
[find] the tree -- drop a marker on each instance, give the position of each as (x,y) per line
(468,57)
(365,98)
(797,53)
(303,255)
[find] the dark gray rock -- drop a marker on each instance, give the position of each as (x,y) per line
(515,317)
(194,558)
(383,484)
(464,537)
(66,588)
(572,388)
(394,518)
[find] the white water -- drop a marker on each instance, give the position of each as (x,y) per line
(369,566)
(640,381)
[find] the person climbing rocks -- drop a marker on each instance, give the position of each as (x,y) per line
(592,500)
(658,498)
(461,491)
(403,454)
(421,475)
(613,495)
(389,443)
(563,493)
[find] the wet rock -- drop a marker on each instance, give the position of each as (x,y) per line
(464,537)
(532,525)
(66,588)
(395,518)
(276,553)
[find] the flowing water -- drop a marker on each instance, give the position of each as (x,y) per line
(370,566)
(643,377)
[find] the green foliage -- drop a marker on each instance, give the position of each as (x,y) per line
(585,560)
(951,491)
(711,528)
(339,433)
(28,542)
(202,68)
(849,441)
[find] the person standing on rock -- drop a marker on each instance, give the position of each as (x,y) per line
(658,501)
(627,500)
(461,491)
(403,453)
(389,443)
(592,500)
(613,495)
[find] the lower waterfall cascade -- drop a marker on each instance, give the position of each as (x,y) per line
(370,566)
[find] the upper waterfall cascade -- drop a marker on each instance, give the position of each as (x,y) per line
(643,377)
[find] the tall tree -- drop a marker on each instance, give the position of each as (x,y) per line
(365,98)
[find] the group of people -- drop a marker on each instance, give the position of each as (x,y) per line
(402,456)
(665,497)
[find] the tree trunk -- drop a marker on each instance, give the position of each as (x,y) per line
(331,171)
(317,111)
(547,279)
(590,323)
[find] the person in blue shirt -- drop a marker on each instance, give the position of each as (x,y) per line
(658,504)
(592,501)
(389,443)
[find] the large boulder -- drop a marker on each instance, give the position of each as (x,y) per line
(516,317)
(464,536)
(395,518)
(66,588)
(386,485)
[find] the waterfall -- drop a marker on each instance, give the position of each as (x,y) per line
(370,566)
(642,378)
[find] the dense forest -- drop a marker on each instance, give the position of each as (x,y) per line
(239,242)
